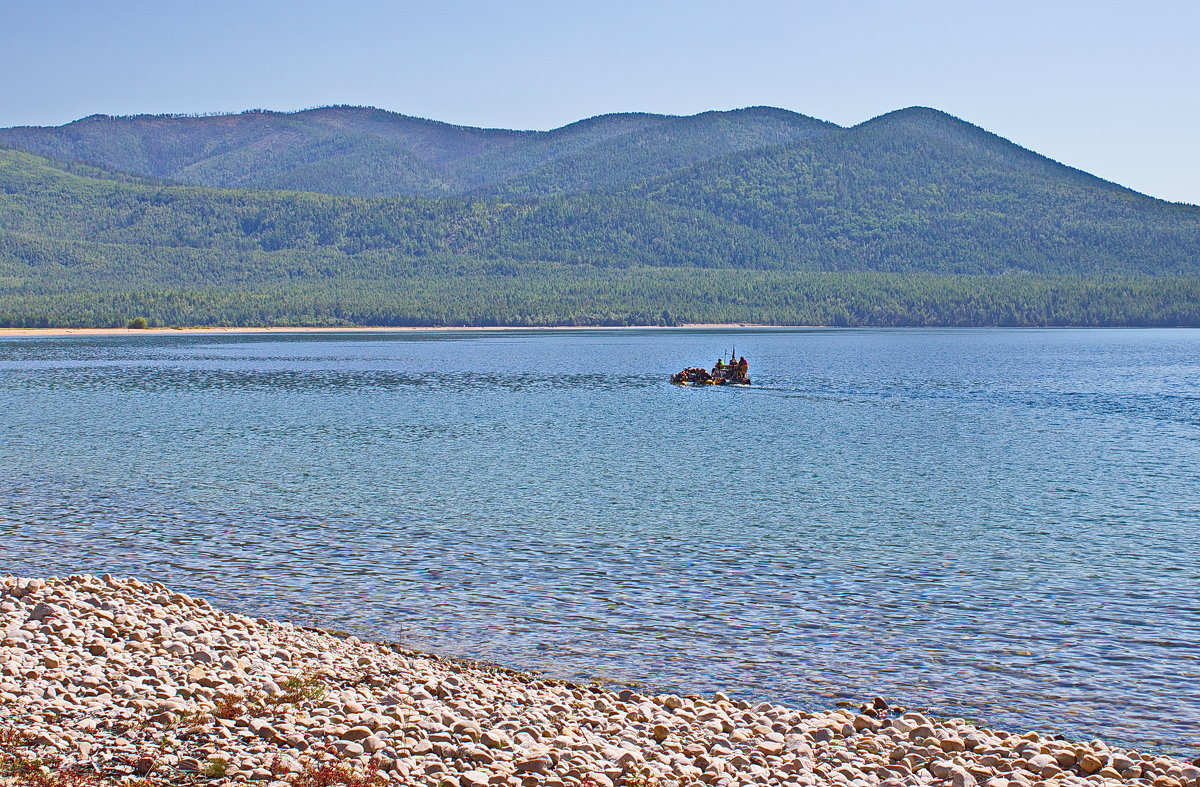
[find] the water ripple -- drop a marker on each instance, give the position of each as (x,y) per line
(994,524)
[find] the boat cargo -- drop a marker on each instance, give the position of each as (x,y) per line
(735,371)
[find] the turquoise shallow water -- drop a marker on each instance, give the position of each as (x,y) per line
(996,524)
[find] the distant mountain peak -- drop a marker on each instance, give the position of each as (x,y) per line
(917,115)
(942,128)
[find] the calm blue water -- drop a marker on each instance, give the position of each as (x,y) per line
(996,524)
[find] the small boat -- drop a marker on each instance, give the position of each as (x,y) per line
(731,372)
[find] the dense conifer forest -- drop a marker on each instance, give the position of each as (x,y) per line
(760,215)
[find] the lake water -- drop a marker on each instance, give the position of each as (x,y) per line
(1002,525)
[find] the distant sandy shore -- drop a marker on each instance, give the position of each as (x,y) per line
(28,332)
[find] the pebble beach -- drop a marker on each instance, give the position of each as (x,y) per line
(106,680)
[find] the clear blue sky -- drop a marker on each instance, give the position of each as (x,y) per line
(1112,88)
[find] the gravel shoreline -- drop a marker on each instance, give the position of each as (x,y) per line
(106,680)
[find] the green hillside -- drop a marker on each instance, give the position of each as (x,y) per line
(919,190)
(360,151)
(353,151)
(665,144)
(914,218)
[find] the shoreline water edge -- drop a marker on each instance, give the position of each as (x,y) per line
(106,680)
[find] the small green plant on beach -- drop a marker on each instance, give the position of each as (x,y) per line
(215,768)
(294,690)
(230,706)
(298,689)
(189,722)
(642,779)
(278,767)
(29,770)
(138,322)
(12,739)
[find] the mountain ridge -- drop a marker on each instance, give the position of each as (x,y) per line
(911,218)
(364,151)
(931,115)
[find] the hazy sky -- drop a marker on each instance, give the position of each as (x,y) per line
(1112,88)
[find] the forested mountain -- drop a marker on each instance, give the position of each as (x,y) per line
(919,190)
(360,151)
(913,218)
(558,164)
